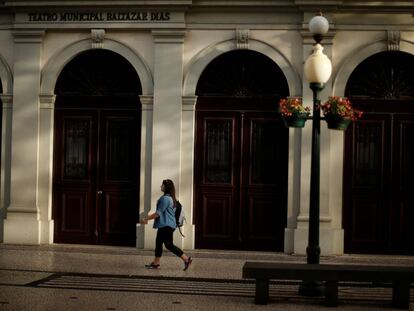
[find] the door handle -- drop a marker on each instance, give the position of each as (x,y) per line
(99,192)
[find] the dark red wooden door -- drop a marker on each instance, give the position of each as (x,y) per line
(379,165)
(96,169)
(241,180)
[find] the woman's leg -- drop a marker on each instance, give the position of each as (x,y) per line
(165,235)
(169,242)
(159,240)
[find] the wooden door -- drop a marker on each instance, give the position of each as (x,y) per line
(96,169)
(263,188)
(379,157)
(118,176)
(241,178)
(402,217)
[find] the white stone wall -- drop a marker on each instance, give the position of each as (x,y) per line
(169,58)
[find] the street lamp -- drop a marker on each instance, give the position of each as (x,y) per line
(318,69)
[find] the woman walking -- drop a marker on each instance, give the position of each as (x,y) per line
(165,223)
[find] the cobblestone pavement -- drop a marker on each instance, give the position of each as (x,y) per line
(75,277)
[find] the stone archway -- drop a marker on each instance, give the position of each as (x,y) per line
(55,65)
(49,76)
(192,73)
(241,154)
(378,211)
(97,150)
(199,62)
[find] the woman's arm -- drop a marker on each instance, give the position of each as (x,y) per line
(161,207)
(144,221)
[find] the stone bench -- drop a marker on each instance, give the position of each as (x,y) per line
(399,276)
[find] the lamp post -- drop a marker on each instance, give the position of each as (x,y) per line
(317,70)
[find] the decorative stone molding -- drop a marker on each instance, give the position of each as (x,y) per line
(7,100)
(188,103)
(28,36)
(242,38)
(169,36)
(47,101)
(147,102)
(322,218)
(393,40)
(97,36)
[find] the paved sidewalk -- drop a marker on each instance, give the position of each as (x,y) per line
(76,277)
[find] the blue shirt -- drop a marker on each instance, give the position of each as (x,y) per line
(166,212)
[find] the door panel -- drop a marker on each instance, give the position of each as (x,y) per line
(95,190)
(369,176)
(219,142)
(217,161)
(403,203)
(217,208)
(241,178)
(75,216)
(118,176)
(378,210)
(73,176)
(264,174)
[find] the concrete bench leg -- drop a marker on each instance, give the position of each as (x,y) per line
(331,293)
(262,291)
(401,295)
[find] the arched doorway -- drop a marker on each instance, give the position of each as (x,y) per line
(241,154)
(96,150)
(378,211)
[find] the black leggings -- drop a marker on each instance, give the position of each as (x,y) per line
(165,236)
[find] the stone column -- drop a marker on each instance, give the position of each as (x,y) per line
(331,233)
(166,137)
(45,177)
(7,102)
(187,168)
(22,225)
(147,102)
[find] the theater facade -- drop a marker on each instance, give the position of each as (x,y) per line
(102,100)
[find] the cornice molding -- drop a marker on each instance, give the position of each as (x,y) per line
(300,5)
(94,3)
(370,6)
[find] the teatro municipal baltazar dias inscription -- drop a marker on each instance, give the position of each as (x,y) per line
(99,16)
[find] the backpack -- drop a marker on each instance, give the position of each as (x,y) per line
(179,216)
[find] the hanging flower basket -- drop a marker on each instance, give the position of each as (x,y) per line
(336,122)
(339,113)
(296,120)
(293,112)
